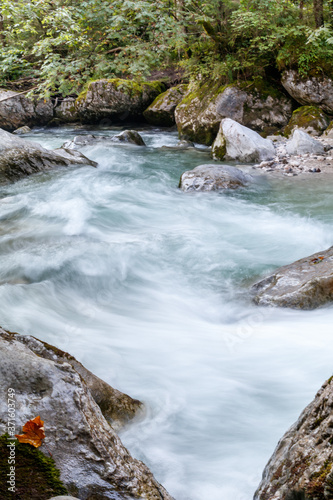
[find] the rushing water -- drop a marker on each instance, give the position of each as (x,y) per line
(148,287)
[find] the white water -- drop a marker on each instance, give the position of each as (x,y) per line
(147,286)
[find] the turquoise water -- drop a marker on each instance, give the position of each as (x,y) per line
(148,287)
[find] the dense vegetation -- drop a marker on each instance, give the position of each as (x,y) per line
(65,43)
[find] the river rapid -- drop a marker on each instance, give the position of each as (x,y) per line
(148,287)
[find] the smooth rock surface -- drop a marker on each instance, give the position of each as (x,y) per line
(19,111)
(66,111)
(199,114)
(129,137)
(236,142)
(302,143)
(22,130)
(162,111)
(301,467)
(305,284)
(313,91)
(92,461)
(20,158)
(213,177)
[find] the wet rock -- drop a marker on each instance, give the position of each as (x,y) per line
(213,177)
(162,111)
(305,284)
(19,111)
(66,111)
(64,498)
(116,100)
(310,119)
(129,137)
(20,158)
(302,464)
(302,143)
(312,91)
(261,108)
(236,142)
(80,141)
(22,130)
(93,462)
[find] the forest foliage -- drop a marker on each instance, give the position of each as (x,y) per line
(66,43)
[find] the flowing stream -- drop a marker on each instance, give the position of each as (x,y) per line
(148,287)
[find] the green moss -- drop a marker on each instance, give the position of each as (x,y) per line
(307,116)
(219,152)
(36,476)
(316,486)
(262,87)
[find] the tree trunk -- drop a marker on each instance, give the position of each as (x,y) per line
(318,11)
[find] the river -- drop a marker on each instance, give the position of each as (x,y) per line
(148,287)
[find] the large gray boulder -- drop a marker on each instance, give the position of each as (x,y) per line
(310,90)
(20,158)
(115,99)
(301,467)
(213,178)
(302,143)
(162,111)
(16,110)
(93,462)
(236,142)
(305,284)
(198,115)
(129,137)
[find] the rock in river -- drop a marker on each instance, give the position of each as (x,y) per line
(301,467)
(305,284)
(236,142)
(16,110)
(162,111)
(213,177)
(92,460)
(20,158)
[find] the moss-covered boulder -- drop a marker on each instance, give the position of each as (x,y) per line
(301,467)
(256,105)
(34,474)
(316,90)
(311,119)
(116,100)
(16,110)
(162,111)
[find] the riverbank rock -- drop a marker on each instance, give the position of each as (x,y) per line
(259,107)
(66,111)
(302,143)
(93,462)
(115,100)
(301,467)
(311,90)
(213,178)
(305,284)
(236,142)
(20,158)
(162,111)
(310,119)
(19,111)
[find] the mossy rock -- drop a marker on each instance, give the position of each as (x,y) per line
(162,110)
(311,119)
(36,476)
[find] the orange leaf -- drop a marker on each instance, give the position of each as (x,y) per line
(33,432)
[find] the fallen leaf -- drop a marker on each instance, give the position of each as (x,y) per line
(33,432)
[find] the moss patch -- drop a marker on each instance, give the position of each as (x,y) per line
(36,476)
(316,486)
(307,116)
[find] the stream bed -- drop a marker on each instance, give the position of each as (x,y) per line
(148,286)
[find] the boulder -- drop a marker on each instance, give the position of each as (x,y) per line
(302,143)
(80,141)
(310,90)
(301,467)
(22,130)
(305,284)
(129,137)
(16,110)
(213,177)
(329,131)
(92,461)
(260,107)
(310,119)
(162,111)
(236,142)
(116,99)
(20,158)
(66,111)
